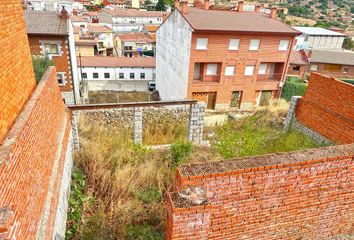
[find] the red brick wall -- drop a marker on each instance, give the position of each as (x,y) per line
(300,73)
(327,108)
(299,195)
(16,72)
(218,45)
(61,63)
(27,160)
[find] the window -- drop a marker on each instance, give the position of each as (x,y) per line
(345,69)
(296,68)
(262,68)
(142,75)
(121,75)
(230,70)
(202,44)
(61,78)
(234,44)
(95,75)
(314,67)
(51,48)
(249,70)
(211,69)
(254,44)
(132,75)
(84,76)
(283,45)
(106,75)
(235,99)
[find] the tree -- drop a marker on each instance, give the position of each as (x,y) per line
(348,43)
(160,6)
(40,65)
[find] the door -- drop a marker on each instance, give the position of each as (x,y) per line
(235,99)
(209,98)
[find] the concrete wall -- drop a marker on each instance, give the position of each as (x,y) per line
(173,47)
(73,63)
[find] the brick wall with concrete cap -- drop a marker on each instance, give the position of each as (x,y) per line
(16,72)
(328,108)
(32,159)
(304,194)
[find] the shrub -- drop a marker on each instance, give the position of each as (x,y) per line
(180,151)
(293,87)
(149,195)
(40,65)
(143,232)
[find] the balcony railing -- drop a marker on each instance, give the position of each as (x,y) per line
(208,78)
(269,77)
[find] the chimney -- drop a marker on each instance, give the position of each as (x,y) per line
(64,14)
(185,8)
(176,4)
(258,9)
(273,12)
(206,4)
(240,6)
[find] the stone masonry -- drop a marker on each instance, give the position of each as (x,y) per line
(196,122)
(138,125)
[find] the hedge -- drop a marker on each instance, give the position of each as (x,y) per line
(293,87)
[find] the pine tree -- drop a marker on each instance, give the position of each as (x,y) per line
(160,6)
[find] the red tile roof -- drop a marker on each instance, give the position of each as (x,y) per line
(98,28)
(85,42)
(100,61)
(298,57)
(75,18)
(136,37)
(151,28)
(213,20)
(134,13)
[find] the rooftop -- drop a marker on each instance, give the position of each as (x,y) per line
(298,57)
(45,22)
(134,13)
(136,37)
(94,28)
(212,20)
(334,57)
(100,61)
(75,18)
(85,42)
(318,31)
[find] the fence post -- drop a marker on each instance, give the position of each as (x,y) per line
(196,122)
(291,113)
(138,125)
(75,130)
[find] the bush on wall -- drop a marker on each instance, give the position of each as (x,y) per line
(293,87)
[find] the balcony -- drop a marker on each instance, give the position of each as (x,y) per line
(270,72)
(269,77)
(207,72)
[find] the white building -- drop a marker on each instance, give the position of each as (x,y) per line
(130,20)
(117,73)
(50,5)
(318,38)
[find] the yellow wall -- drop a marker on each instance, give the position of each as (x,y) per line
(85,51)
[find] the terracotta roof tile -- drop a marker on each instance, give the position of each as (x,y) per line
(99,61)
(298,57)
(214,20)
(98,28)
(136,37)
(45,22)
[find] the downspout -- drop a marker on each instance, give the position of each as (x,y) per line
(285,70)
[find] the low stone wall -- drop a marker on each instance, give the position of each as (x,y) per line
(124,117)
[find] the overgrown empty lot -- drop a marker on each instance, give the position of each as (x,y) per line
(119,188)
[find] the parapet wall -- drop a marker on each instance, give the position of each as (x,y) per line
(33,157)
(328,108)
(299,195)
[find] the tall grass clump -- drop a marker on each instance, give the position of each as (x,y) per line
(293,87)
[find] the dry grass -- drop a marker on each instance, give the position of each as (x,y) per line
(118,97)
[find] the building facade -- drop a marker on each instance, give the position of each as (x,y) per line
(318,38)
(135,44)
(338,64)
(117,73)
(298,64)
(224,58)
(51,34)
(130,20)
(50,5)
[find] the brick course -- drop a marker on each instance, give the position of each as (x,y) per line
(27,161)
(299,195)
(327,108)
(16,72)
